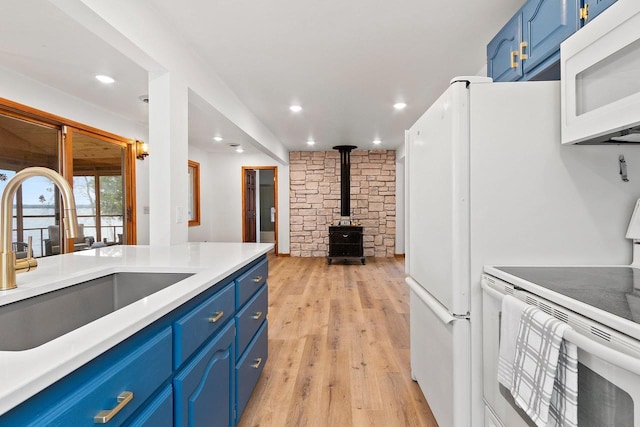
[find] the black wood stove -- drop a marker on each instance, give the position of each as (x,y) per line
(345,240)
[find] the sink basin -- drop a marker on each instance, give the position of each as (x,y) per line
(34,321)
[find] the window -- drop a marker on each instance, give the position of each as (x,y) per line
(99,166)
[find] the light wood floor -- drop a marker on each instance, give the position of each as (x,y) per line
(338,348)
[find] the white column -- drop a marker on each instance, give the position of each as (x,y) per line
(168,156)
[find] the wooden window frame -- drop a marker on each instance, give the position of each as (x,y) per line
(194,191)
(24,112)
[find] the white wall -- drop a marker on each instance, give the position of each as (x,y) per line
(18,88)
(223,195)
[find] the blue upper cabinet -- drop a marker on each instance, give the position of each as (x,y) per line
(593,8)
(503,60)
(528,46)
(546,24)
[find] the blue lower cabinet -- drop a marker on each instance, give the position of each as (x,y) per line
(195,327)
(203,390)
(178,371)
(250,367)
(111,390)
(159,413)
(250,318)
(251,281)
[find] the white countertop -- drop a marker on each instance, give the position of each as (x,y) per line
(24,373)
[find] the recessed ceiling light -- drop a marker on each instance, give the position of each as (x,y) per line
(295,108)
(239,150)
(310,142)
(399,105)
(377,141)
(217,138)
(105,79)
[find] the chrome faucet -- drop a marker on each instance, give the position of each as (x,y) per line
(9,266)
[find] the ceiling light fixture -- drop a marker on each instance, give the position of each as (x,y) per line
(310,142)
(217,138)
(105,79)
(239,150)
(377,141)
(295,108)
(399,105)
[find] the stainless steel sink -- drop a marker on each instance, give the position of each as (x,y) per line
(34,321)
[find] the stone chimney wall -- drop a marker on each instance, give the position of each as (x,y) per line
(315,200)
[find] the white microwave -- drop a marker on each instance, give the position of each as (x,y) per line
(600,78)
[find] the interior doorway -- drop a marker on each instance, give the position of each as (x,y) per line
(260,204)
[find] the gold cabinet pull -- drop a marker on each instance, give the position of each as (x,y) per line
(514,64)
(105,415)
(584,12)
(257,363)
(216,317)
(257,315)
(523,51)
(257,279)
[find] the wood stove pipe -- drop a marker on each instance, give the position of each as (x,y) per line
(345,178)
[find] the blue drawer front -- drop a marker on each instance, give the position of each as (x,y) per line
(250,367)
(153,358)
(203,389)
(158,413)
(251,281)
(193,329)
(249,319)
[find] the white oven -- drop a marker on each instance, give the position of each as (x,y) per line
(608,365)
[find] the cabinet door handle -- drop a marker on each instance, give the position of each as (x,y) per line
(257,279)
(105,415)
(345,235)
(514,54)
(584,12)
(523,51)
(216,316)
(257,363)
(257,315)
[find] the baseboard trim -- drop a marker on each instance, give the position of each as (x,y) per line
(284,255)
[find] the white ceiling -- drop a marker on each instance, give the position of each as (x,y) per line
(345,62)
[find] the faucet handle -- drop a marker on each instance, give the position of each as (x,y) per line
(29,263)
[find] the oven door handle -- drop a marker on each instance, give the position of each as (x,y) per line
(608,354)
(434,305)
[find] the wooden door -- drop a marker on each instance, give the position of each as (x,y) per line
(249,206)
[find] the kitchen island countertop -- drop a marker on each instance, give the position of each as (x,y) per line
(25,373)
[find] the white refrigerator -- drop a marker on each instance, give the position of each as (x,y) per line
(488,182)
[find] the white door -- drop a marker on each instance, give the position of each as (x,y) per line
(438,199)
(440,358)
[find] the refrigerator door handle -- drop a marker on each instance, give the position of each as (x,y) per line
(435,306)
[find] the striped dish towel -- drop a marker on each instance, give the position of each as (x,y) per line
(545,370)
(512,309)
